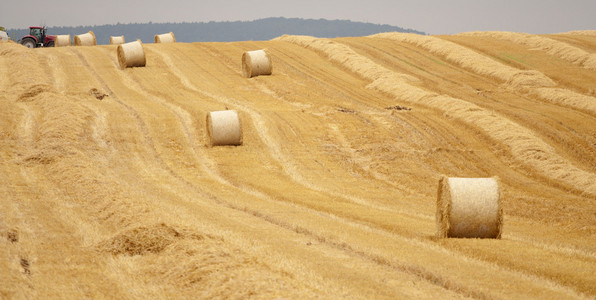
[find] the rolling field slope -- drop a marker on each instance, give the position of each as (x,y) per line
(109,190)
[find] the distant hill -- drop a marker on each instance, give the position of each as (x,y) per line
(263,29)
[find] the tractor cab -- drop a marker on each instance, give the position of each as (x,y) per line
(38,32)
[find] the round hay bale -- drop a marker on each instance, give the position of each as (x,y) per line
(131,55)
(224,128)
(255,63)
(469,208)
(165,38)
(117,40)
(3,36)
(86,39)
(62,41)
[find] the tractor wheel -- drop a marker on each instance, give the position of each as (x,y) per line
(29,43)
(50,44)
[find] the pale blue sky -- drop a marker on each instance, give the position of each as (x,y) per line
(431,16)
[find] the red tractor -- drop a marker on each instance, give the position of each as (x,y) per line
(37,38)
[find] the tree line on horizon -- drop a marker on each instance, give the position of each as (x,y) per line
(226,31)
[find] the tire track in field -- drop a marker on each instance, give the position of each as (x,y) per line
(140,123)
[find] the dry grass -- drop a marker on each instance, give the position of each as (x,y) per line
(472,60)
(567,98)
(525,147)
(356,63)
(559,49)
(527,81)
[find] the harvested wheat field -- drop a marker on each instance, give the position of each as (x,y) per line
(111,189)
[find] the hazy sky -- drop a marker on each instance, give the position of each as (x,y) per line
(431,16)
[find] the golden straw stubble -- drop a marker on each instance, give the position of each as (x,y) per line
(469,208)
(224,128)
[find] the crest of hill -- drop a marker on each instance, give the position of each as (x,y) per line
(262,29)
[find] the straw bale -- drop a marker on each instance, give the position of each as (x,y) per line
(553,47)
(117,40)
(3,37)
(86,39)
(469,208)
(255,63)
(224,128)
(63,41)
(165,38)
(472,60)
(131,55)
(522,143)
